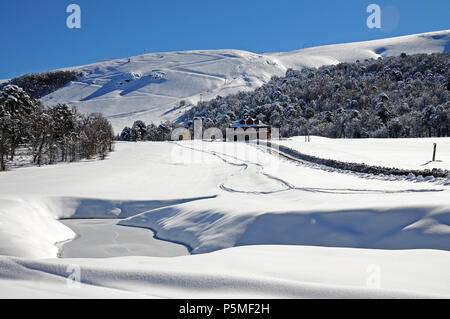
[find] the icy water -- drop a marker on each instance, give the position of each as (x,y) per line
(103,238)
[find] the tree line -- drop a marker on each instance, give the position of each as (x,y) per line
(37,85)
(50,134)
(393,97)
(143,132)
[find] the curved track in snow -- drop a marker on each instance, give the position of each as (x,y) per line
(287,186)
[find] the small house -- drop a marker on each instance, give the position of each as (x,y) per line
(249,129)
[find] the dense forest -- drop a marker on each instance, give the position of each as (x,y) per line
(51,134)
(404,96)
(37,85)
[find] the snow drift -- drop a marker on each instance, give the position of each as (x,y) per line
(246,272)
(29,227)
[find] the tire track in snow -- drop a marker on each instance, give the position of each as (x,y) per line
(245,166)
(290,187)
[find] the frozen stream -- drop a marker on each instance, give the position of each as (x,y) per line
(103,238)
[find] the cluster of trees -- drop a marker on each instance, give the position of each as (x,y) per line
(142,132)
(51,134)
(38,85)
(404,96)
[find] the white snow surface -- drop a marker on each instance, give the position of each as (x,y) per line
(410,154)
(256,224)
(150,86)
(216,195)
(242,272)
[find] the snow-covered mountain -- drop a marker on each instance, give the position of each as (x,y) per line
(149,87)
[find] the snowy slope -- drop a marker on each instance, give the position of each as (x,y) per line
(332,54)
(411,154)
(150,86)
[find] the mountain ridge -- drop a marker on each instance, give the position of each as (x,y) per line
(150,87)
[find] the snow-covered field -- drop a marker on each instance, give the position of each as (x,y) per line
(256,225)
(411,154)
(149,87)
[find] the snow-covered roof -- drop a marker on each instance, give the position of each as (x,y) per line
(248,122)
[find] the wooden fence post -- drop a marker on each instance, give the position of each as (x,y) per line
(434,152)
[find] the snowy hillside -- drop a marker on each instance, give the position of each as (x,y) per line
(149,87)
(350,52)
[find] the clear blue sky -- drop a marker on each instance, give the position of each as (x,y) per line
(35,38)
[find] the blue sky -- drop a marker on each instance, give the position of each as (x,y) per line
(35,38)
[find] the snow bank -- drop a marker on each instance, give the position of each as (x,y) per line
(216,224)
(246,272)
(29,227)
